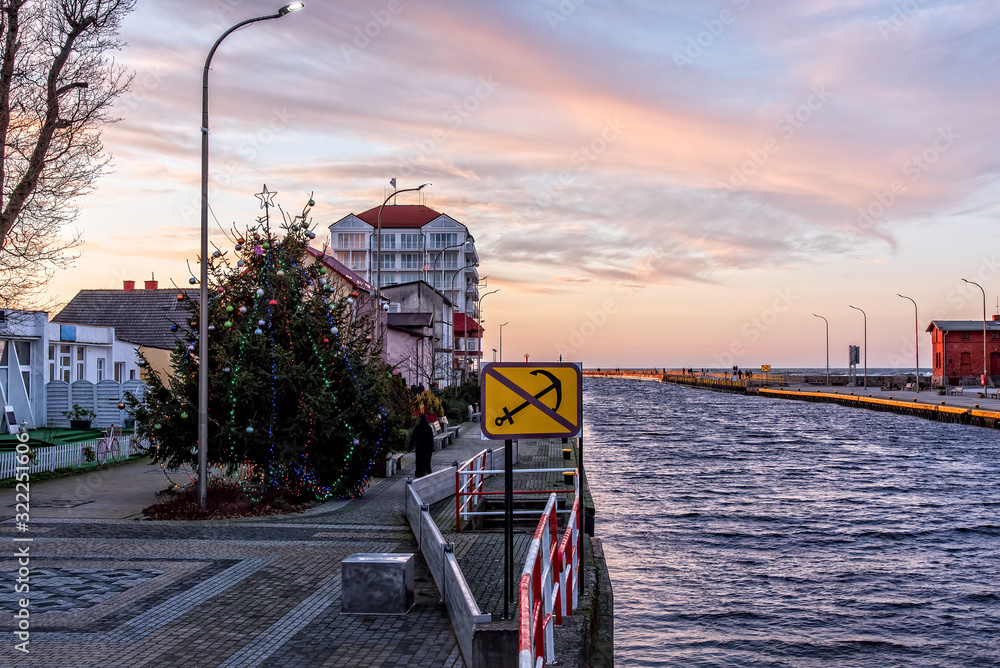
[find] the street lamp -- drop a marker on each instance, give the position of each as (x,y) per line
(378,241)
(827,349)
(865,315)
(916,335)
(501,339)
(481,319)
(203,306)
(984,329)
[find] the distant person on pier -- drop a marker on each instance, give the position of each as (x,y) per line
(422,440)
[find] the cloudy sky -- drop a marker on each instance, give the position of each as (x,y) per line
(649,183)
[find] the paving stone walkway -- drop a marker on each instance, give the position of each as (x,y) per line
(110,590)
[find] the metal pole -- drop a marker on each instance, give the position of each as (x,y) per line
(378,251)
(985,376)
(827,349)
(508,526)
(865,316)
(916,336)
(501,339)
(203,292)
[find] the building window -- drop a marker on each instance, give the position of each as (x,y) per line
(409,277)
(450,261)
(100,369)
(411,241)
(65,363)
(393,307)
(389,241)
(996,335)
(443,240)
(388,279)
(23,350)
(387,261)
(350,240)
(410,261)
(119,372)
(131,374)
(344,257)
(965,336)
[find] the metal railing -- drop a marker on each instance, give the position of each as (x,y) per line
(549,588)
(68,455)
(469,479)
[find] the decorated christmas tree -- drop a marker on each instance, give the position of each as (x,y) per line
(296,386)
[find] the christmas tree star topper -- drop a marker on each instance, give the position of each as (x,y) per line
(265,197)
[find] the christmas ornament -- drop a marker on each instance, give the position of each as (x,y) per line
(334,330)
(192,280)
(173,328)
(273,302)
(229,308)
(261,322)
(211,328)
(216,254)
(350,300)
(280,273)
(257,250)
(240,263)
(249,430)
(228,323)
(258,331)
(184,416)
(225,369)
(260,292)
(121,405)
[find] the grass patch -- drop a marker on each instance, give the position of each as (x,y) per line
(225,501)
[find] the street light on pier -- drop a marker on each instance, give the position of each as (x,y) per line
(827,349)
(916,335)
(203,294)
(865,315)
(985,376)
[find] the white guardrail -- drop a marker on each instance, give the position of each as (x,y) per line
(68,455)
(440,556)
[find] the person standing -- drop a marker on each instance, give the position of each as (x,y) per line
(422,440)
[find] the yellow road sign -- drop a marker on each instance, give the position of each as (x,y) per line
(522,400)
(764,368)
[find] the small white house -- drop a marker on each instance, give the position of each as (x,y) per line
(36,353)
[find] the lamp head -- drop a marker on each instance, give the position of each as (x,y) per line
(293,7)
(422,186)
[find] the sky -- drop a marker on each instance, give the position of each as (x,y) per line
(648,183)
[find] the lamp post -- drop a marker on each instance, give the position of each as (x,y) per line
(984,330)
(438,256)
(454,275)
(203,296)
(865,315)
(378,241)
(482,320)
(827,349)
(501,339)
(916,336)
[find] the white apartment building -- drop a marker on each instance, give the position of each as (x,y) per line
(417,244)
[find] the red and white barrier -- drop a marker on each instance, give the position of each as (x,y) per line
(549,585)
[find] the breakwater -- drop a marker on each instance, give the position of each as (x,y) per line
(927,405)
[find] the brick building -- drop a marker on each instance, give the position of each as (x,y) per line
(957,351)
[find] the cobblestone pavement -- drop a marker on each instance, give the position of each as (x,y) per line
(110,591)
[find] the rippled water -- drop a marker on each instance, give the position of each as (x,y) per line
(743,531)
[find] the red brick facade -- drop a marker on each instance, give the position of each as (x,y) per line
(957,350)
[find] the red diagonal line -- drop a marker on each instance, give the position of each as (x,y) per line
(509,384)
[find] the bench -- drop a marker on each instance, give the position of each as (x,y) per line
(393,464)
(957,391)
(473,413)
(445,426)
(909,387)
(377,583)
(441,437)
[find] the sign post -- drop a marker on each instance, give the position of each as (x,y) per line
(521,400)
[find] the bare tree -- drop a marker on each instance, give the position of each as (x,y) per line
(57,87)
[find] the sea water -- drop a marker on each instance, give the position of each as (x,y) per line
(745,531)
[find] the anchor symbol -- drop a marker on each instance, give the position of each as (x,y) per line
(508,415)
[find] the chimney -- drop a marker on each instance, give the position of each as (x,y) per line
(129,286)
(150,285)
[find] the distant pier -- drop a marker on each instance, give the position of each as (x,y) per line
(974,408)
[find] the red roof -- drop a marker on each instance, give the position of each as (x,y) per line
(400,215)
(462,322)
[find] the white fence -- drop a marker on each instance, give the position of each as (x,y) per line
(440,557)
(101,398)
(69,455)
